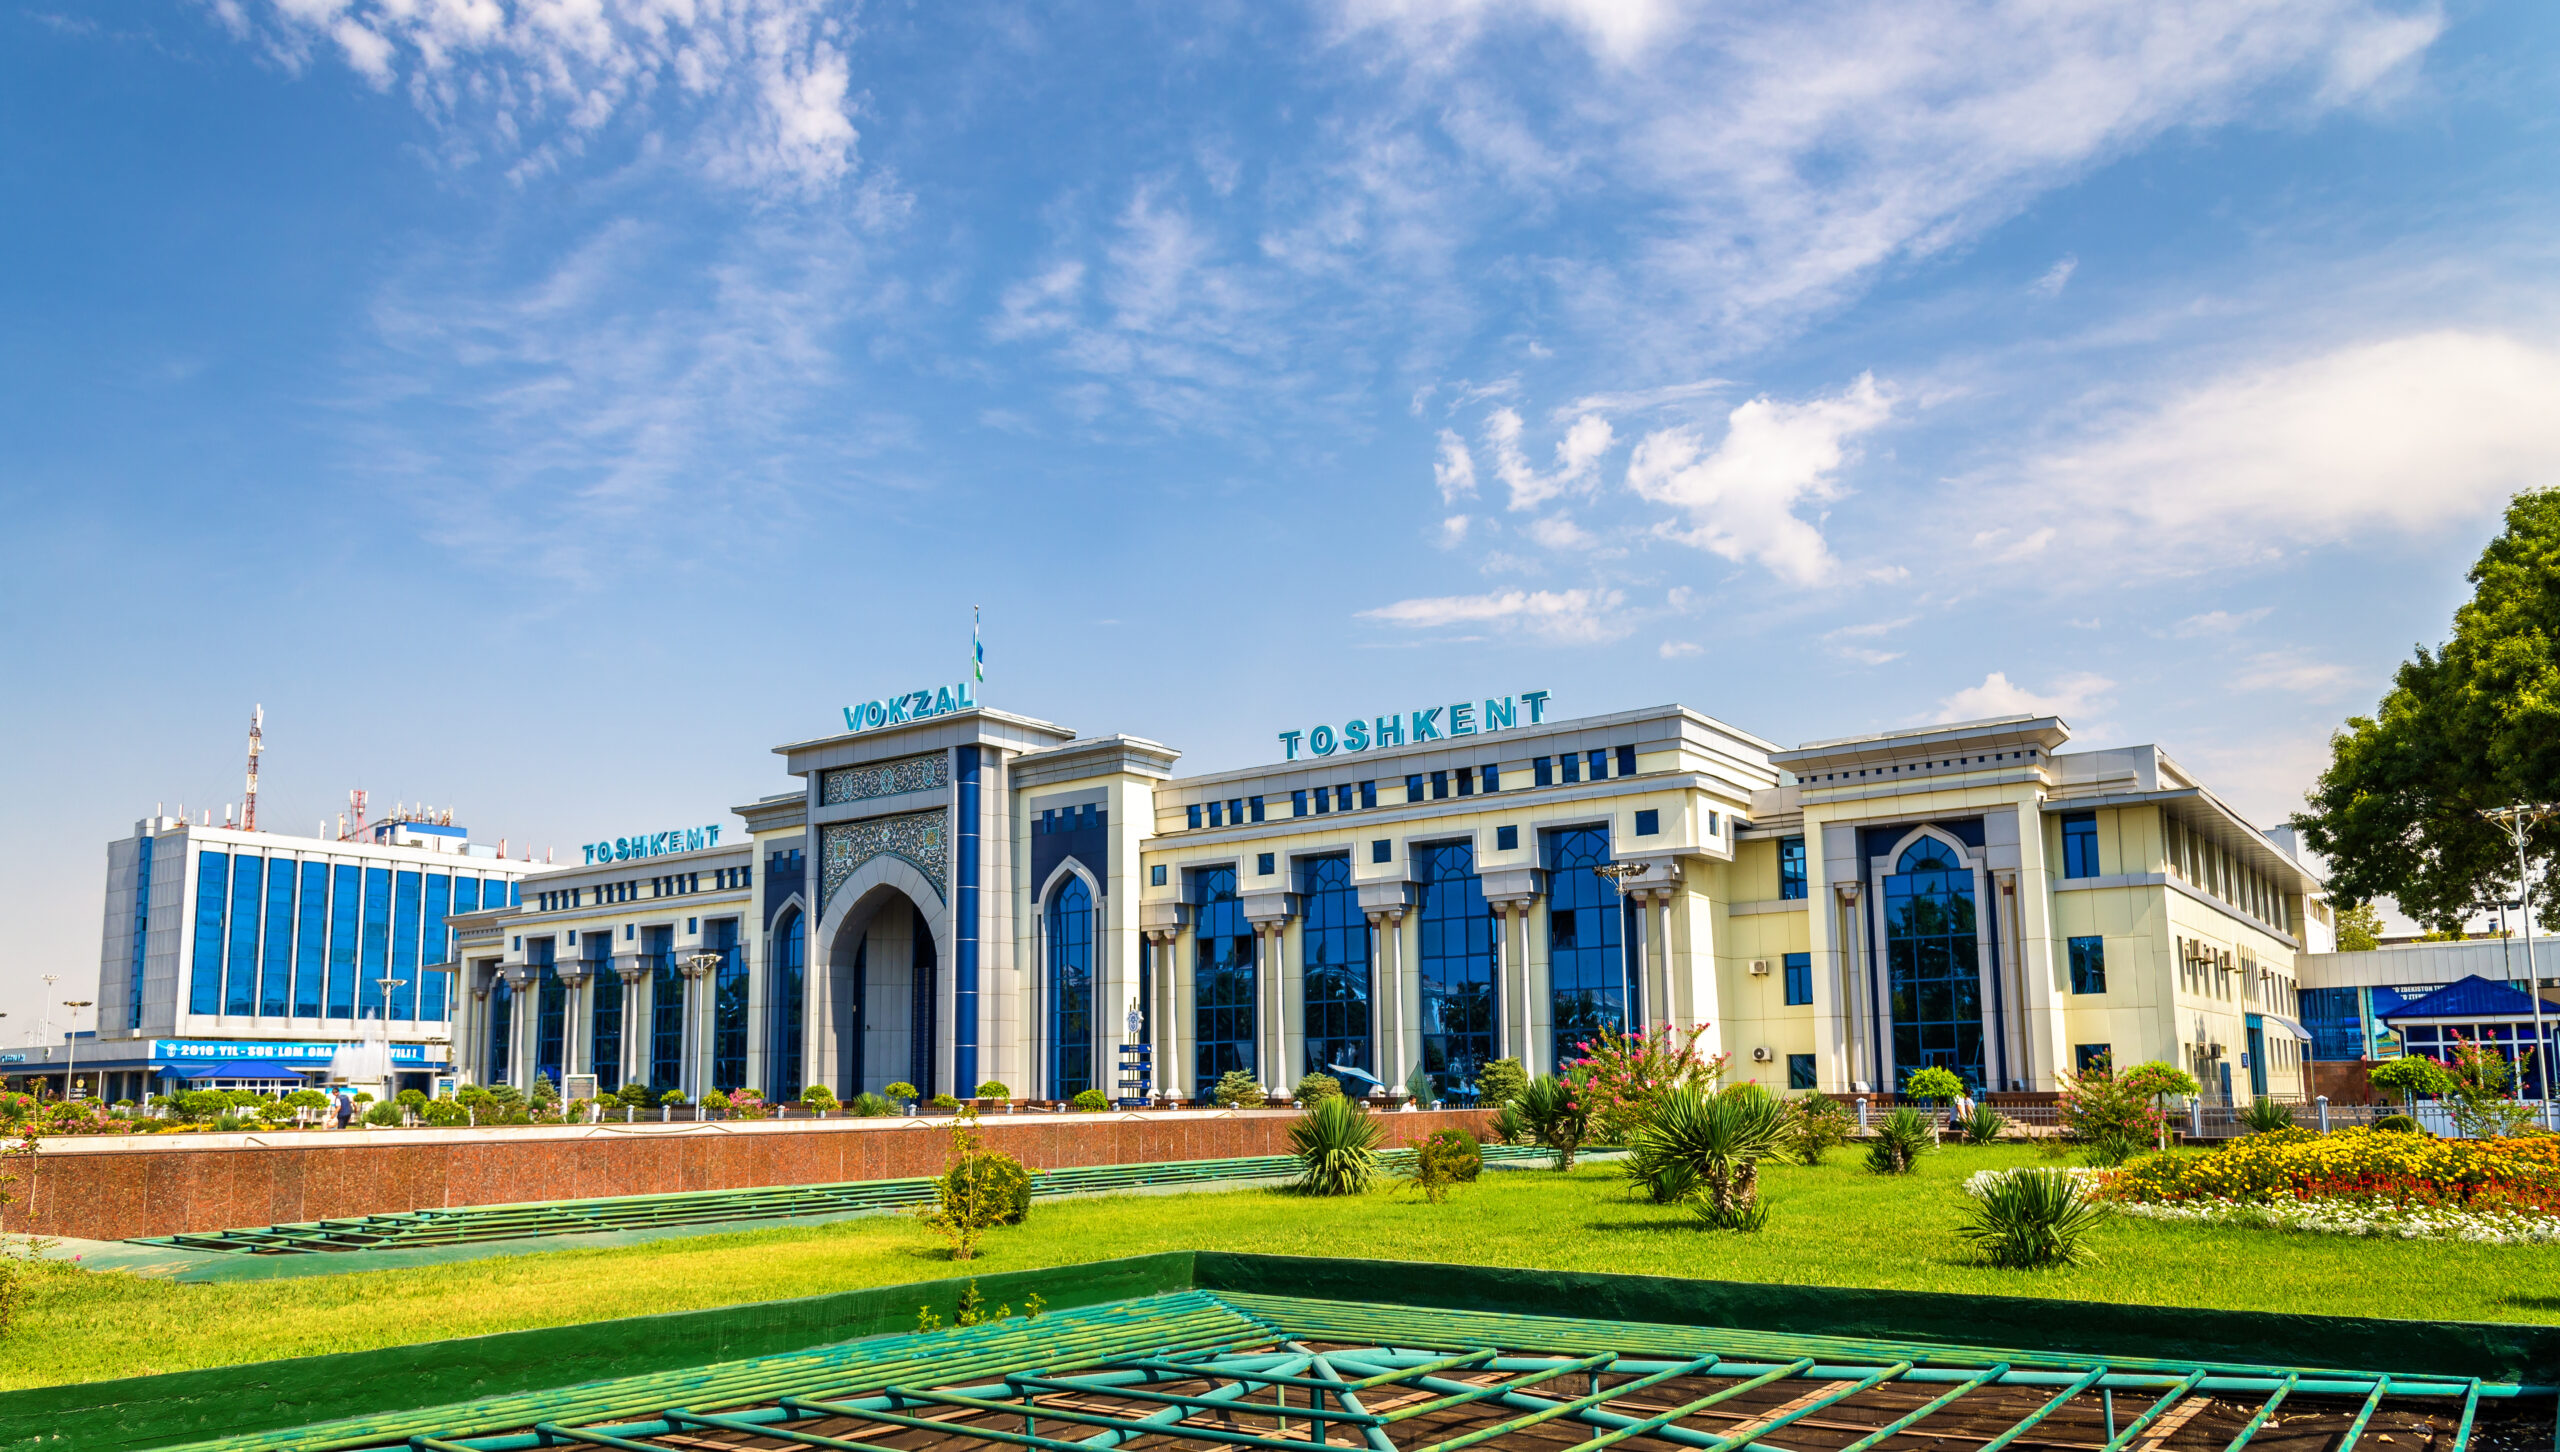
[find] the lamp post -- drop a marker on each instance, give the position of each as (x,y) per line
(388,983)
(2518,822)
(71,1045)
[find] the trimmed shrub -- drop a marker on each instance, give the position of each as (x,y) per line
(817,1097)
(945,1102)
(1500,1082)
(1901,1137)
(445,1113)
(410,1098)
(672,1099)
(994,1089)
(1089,1101)
(2026,1219)
(1315,1087)
(1237,1090)
(716,1102)
(902,1092)
(1336,1141)
(868,1105)
(1816,1124)
(388,1114)
(2399,1124)
(1933,1083)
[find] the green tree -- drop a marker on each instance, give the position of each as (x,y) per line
(2410,1076)
(2359,928)
(2156,1081)
(1933,1083)
(2472,725)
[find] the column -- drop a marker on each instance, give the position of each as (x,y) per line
(635,1020)
(1657,931)
(525,1017)
(1180,983)
(1848,1024)
(697,1018)
(471,1045)
(1160,1023)
(1378,1031)
(1509,1031)
(573,980)
(1399,1060)
(1270,991)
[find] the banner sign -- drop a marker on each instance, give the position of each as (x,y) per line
(216,1050)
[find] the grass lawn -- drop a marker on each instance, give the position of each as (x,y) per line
(1836,1225)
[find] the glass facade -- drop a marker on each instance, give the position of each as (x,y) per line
(141,924)
(604,1014)
(248,876)
(728,1005)
(375,962)
(345,880)
(275,979)
(2080,844)
(1588,930)
(1069,929)
(790,998)
(1932,957)
(2335,1019)
(439,946)
(1222,1008)
(1334,935)
(551,1006)
(1791,868)
(2089,964)
(204,972)
(404,944)
(502,1019)
(310,950)
(1455,964)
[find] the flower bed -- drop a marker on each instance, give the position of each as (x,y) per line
(2357,1182)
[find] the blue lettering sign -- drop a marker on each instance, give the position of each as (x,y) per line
(913,706)
(1499,713)
(653,844)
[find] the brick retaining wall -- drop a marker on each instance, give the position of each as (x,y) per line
(101,1189)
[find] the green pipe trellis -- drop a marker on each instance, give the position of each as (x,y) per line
(1002,1384)
(474,1224)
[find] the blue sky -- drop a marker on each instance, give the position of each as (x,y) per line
(545,408)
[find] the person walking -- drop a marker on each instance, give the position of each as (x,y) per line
(346,1109)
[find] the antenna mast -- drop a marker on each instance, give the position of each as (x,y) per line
(257,744)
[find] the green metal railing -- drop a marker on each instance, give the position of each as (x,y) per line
(1278,1374)
(474,1224)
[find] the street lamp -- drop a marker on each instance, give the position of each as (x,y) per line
(2518,822)
(71,1045)
(389,984)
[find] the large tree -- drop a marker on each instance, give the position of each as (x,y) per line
(2473,725)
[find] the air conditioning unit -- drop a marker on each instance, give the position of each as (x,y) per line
(1761,1055)
(1759,967)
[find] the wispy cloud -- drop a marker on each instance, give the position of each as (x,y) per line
(2076,694)
(2055,279)
(758,92)
(1740,497)
(1559,616)
(2294,675)
(2219,622)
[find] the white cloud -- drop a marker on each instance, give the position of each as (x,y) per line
(1560,616)
(1453,531)
(2292,675)
(2069,696)
(2377,439)
(1454,469)
(1866,655)
(764,88)
(2055,279)
(1681,649)
(1740,498)
(1578,456)
(2219,622)
(1558,532)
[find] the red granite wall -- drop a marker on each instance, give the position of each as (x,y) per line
(167,1186)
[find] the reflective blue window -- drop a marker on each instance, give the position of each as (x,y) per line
(404,945)
(1649,823)
(1571,767)
(604,1012)
(1255,803)
(1382,850)
(1414,790)
(240,991)
(502,1002)
(728,1005)
(2089,964)
(346,917)
(1193,812)
(141,926)
(1800,1072)
(1070,933)
(1931,958)
(1586,942)
(311,952)
(375,962)
(1600,764)
(1506,839)
(1455,962)
(1492,777)
(1466,781)
(1439,786)
(2092,1058)
(790,1002)
(551,1007)
(1799,970)
(1791,868)
(213,892)
(1217,814)
(439,946)
(1626,761)
(666,1008)
(1368,795)
(275,979)
(1542,772)
(1324,801)
(1335,955)
(1222,981)
(2080,844)
(1298,802)
(2335,1017)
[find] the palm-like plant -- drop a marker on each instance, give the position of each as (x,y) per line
(1901,1137)
(1337,1143)
(1555,1117)
(1983,1125)
(1721,1139)
(2032,1217)
(2265,1114)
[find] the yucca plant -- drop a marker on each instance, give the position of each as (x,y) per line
(2264,1114)
(1721,1140)
(1982,1126)
(2029,1218)
(1337,1143)
(1901,1137)
(1555,1116)
(1660,1179)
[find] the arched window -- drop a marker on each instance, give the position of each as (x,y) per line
(1933,961)
(1070,933)
(790,998)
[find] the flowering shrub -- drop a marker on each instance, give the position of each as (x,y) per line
(2351,1217)
(1621,1077)
(2357,1167)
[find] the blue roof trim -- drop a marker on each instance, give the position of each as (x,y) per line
(2472,997)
